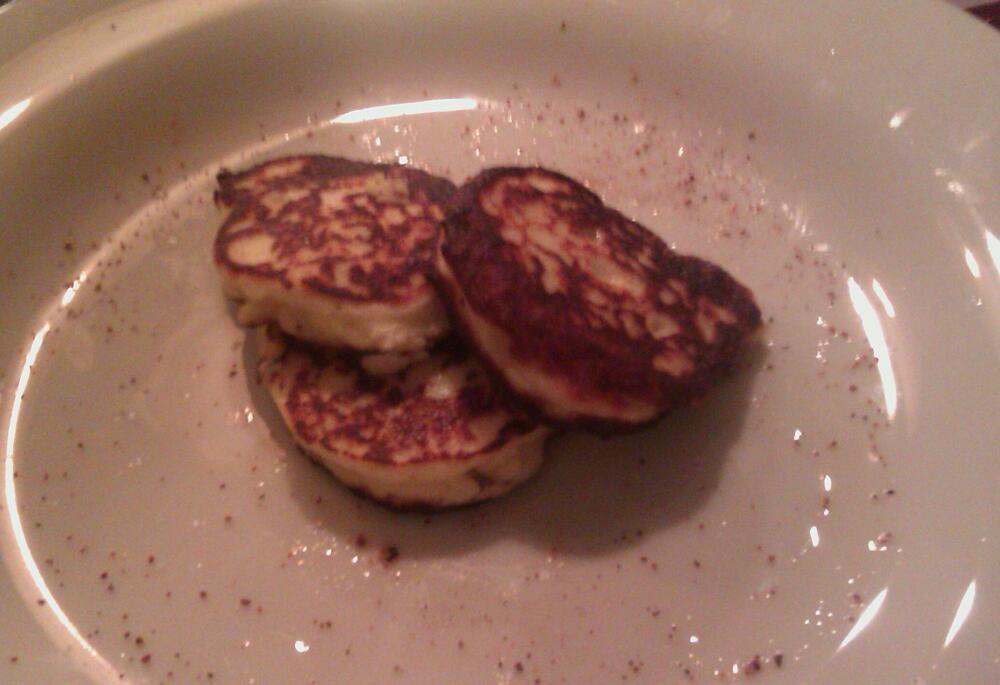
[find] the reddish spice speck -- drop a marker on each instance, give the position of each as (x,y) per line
(360,540)
(151,559)
(245,602)
(389,554)
(41,602)
(13,660)
(228,518)
(146,658)
(519,667)
(778,658)
(202,594)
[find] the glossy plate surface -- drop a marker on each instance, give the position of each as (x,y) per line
(827,516)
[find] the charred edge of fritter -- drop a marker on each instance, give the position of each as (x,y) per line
(722,288)
(526,404)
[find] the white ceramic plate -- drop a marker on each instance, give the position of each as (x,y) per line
(824,517)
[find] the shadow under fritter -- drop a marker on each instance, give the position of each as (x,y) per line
(593,497)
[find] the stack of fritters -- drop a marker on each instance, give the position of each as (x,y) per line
(566,314)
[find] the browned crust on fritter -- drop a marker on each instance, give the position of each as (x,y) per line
(298,225)
(396,416)
(551,331)
(527,405)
